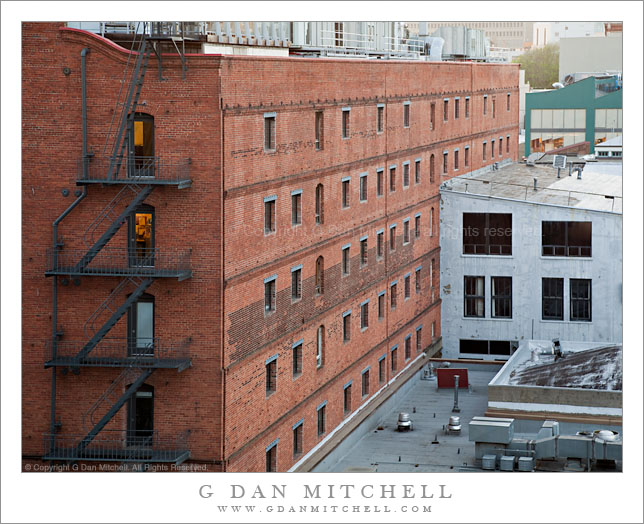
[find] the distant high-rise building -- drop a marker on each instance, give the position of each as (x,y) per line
(512,35)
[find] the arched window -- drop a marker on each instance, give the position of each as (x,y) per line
(319,275)
(319,355)
(431,169)
(319,204)
(140,136)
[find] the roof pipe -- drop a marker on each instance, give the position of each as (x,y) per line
(84,109)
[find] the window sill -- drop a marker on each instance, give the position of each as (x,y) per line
(362,330)
(296,376)
(296,300)
(269,313)
(561,257)
(298,224)
(270,151)
(270,394)
(489,319)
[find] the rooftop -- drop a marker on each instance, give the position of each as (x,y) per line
(599,189)
(613,142)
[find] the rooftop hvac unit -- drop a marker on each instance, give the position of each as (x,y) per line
(525,464)
(488,462)
(506,463)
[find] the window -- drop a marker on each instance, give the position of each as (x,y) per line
(502,297)
(346,120)
(580,299)
(431,169)
(382,369)
(566,239)
(319,130)
(271,458)
(407,286)
(394,359)
(494,107)
(492,148)
(406,106)
(407,347)
(406,231)
(455,159)
(432,114)
(381,305)
(392,178)
(392,238)
(380,126)
(456,104)
(363,187)
(507,106)
(417,171)
(269,131)
(296,283)
(346,326)
(380,244)
(319,204)
(419,339)
(445,162)
(297,358)
(431,277)
(269,294)
(467,156)
(488,347)
(487,233)
(417,225)
(552,299)
(406,174)
(322,420)
(393,292)
(467,107)
(445,110)
(380,174)
(319,349)
(271,375)
(296,208)
(500,146)
(269,215)
(345,192)
(319,276)
(365,383)
(474,296)
(417,273)
(297,439)
(363,251)
(347,398)
(507,144)
(485,104)
(346,260)
(364,315)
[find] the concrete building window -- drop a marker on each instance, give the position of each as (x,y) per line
(346,192)
(296,283)
(380,244)
(347,398)
(580,299)
(346,260)
(406,106)
(297,358)
(346,326)
(445,110)
(407,286)
(405,231)
(393,292)
(488,347)
(271,458)
(417,225)
(364,252)
(365,383)
(417,171)
(445,162)
(392,237)
(566,239)
(484,151)
(455,159)
(392,178)
(321,419)
(296,208)
(271,375)
(417,273)
(502,297)
(405,174)
(381,305)
(380,183)
(394,359)
(319,275)
(297,439)
(408,347)
(269,294)
(431,169)
(364,315)
(419,339)
(346,122)
(432,116)
(555,128)
(319,130)
(380,125)
(487,234)
(363,187)
(269,132)
(467,156)
(456,108)
(269,215)
(467,107)
(474,296)
(319,204)
(552,299)
(319,347)
(382,369)
(485,104)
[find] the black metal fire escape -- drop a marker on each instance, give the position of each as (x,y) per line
(138,177)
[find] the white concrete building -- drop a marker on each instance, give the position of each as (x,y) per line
(519,263)
(609,149)
(544,33)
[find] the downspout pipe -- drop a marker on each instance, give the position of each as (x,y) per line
(86,157)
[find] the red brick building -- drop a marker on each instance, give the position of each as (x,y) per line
(252,260)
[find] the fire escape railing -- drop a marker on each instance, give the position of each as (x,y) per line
(142,170)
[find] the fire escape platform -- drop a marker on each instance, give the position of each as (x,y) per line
(180,364)
(120,455)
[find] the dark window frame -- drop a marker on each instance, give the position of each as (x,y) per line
(473,299)
(501,299)
(552,299)
(578,303)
